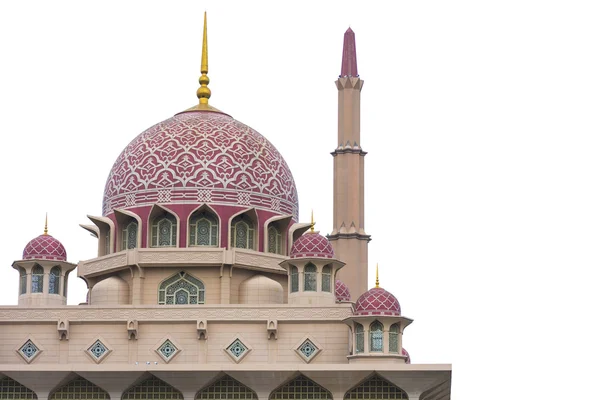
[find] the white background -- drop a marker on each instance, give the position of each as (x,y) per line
(481,120)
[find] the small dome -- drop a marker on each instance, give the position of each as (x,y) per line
(377,301)
(405,353)
(110,291)
(260,290)
(45,247)
(312,244)
(342,293)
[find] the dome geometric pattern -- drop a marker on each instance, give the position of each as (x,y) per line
(45,247)
(201,157)
(342,293)
(377,301)
(310,245)
(405,353)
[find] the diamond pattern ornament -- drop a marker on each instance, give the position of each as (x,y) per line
(208,152)
(237,348)
(377,301)
(342,293)
(307,349)
(311,244)
(98,349)
(29,350)
(168,349)
(405,353)
(45,247)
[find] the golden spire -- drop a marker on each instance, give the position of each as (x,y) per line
(46,225)
(312,221)
(203,91)
(377,275)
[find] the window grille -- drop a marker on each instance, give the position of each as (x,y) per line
(226,388)
(54,280)
(37,279)
(129,236)
(242,232)
(294,278)
(310,278)
(301,388)
(394,330)
(376,336)
(79,389)
(181,288)
(22,281)
(164,231)
(376,388)
(360,338)
(275,240)
(13,390)
(152,389)
(326,279)
(204,229)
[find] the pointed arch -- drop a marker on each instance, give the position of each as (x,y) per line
(163,227)
(242,230)
(204,227)
(152,389)
(22,280)
(294,284)
(106,233)
(359,331)
(181,288)
(80,389)
(226,388)
(54,280)
(376,336)
(301,388)
(310,277)
(13,390)
(326,278)
(129,232)
(275,229)
(393,338)
(375,388)
(37,279)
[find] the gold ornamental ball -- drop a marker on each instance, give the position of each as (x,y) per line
(203,92)
(204,80)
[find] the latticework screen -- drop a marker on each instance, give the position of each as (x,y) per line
(13,390)
(79,389)
(152,389)
(301,388)
(227,388)
(376,388)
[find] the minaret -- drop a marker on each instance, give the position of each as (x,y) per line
(348,237)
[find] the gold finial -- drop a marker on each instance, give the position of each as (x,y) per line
(312,221)
(203,91)
(46,225)
(377,275)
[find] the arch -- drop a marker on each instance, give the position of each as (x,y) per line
(129,235)
(376,337)
(22,280)
(54,280)
(152,389)
(13,390)
(326,279)
(226,388)
(300,388)
(163,230)
(106,230)
(294,286)
(274,240)
(375,388)
(37,279)
(310,278)
(181,288)
(242,230)
(125,237)
(359,332)
(80,389)
(393,338)
(203,227)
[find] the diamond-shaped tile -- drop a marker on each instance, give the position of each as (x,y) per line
(29,350)
(168,348)
(98,349)
(307,349)
(237,349)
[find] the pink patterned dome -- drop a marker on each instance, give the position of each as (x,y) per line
(203,157)
(311,244)
(377,301)
(342,293)
(405,353)
(45,247)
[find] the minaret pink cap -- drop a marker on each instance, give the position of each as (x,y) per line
(349,66)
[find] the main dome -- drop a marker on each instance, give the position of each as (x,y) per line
(201,157)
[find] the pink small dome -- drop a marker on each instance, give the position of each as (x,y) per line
(377,301)
(45,247)
(405,353)
(342,293)
(312,245)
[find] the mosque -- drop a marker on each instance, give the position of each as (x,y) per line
(206,284)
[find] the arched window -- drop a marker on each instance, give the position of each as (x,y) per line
(22,281)
(81,389)
(54,280)
(37,279)
(360,338)
(242,232)
(181,288)
(226,388)
(11,389)
(107,242)
(326,279)
(394,330)
(152,389)
(294,278)
(376,336)
(310,278)
(129,236)
(164,231)
(301,388)
(376,387)
(275,240)
(204,229)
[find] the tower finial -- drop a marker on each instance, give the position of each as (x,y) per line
(46,225)
(203,91)
(349,65)
(377,275)
(312,221)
